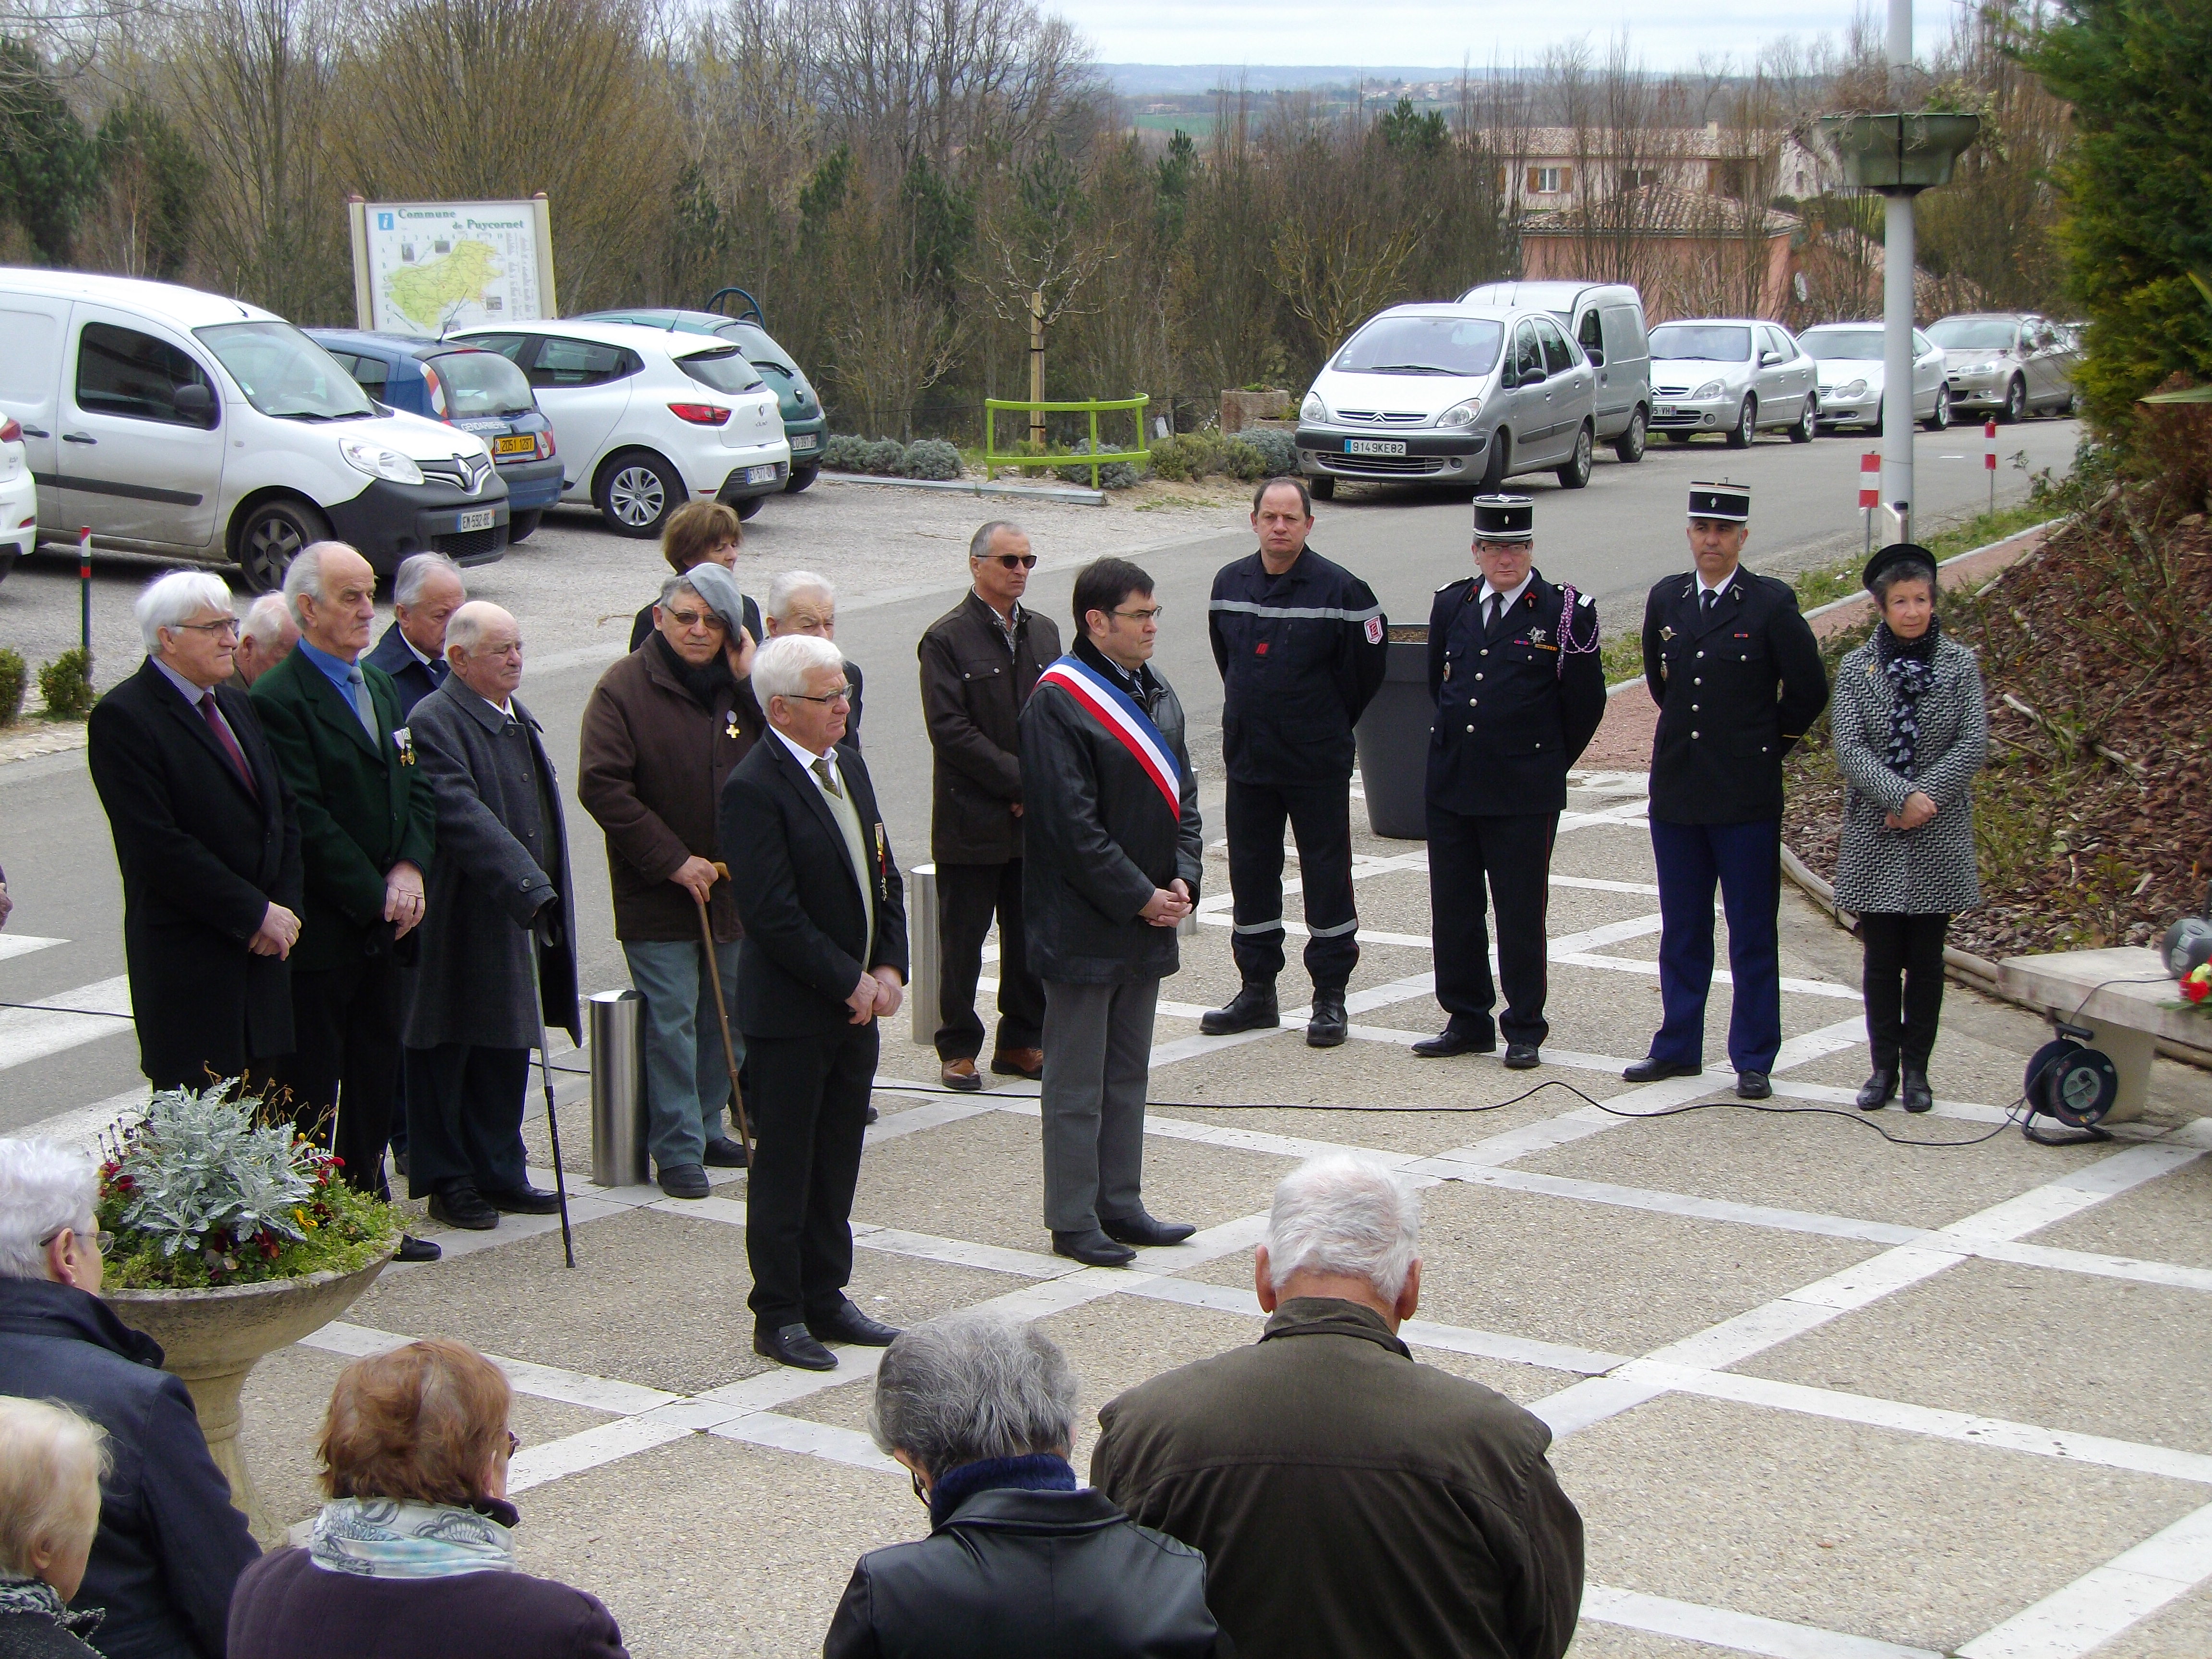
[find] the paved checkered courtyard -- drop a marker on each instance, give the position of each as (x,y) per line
(1817,1395)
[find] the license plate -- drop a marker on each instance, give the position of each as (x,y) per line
(481,519)
(1374,446)
(1666,410)
(807,440)
(518,443)
(760,475)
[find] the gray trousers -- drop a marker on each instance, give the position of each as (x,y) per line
(1097,1062)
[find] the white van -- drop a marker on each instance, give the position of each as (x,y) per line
(177,422)
(1607,319)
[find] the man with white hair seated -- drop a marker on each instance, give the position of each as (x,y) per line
(169,1546)
(266,638)
(800,602)
(207,836)
(1347,1499)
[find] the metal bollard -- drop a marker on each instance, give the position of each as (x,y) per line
(618,1121)
(923,953)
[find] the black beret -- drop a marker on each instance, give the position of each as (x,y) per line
(1915,560)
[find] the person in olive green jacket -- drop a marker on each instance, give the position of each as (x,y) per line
(368,822)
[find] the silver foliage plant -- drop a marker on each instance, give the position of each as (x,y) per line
(201,1164)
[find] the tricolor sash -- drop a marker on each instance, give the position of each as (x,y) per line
(1117,711)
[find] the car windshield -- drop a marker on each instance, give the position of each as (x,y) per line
(1710,342)
(1466,346)
(1843,345)
(480,383)
(284,374)
(1973,333)
(723,371)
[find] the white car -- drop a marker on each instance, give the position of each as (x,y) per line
(1734,375)
(1849,356)
(18,497)
(647,420)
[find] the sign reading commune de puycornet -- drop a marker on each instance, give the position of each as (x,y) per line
(427,268)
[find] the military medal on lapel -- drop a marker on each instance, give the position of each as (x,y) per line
(1537,636)
(730,729)
(404,741)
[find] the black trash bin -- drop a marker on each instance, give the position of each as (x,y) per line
(1393,740)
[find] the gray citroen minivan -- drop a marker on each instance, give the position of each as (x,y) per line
(1607,319)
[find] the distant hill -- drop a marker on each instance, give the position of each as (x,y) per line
(1194,80)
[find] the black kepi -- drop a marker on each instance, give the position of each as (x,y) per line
(1906,559)
(1504,519)
(1730,503)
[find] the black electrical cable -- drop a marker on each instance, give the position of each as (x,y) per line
(49,1008)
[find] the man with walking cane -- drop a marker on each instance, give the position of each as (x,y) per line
(663,731)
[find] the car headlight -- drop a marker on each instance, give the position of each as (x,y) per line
(1855,389)
(1710,389)
(1313,409)
(1461,414)
(380,461)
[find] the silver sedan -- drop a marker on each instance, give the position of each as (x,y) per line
(1734,375)
(1849,359)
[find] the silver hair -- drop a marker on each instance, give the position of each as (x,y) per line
(305,574)
(674,586)
(467,629)
(979,544)
(45,1185)
(415,574)
(781,668)
(790,584)
(169,600)
(265,618)
(52,1460)
(1345,1213)
(973,1385)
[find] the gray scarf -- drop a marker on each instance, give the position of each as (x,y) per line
(37,1596)
(401,1538)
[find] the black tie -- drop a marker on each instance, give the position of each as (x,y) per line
(1497,609)
(1712,598)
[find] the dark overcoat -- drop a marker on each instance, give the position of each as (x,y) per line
(364,805)
(1515,705)
(201,860)
(411,678)
(502,853)
(973,688)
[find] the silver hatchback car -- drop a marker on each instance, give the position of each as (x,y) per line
(1737,376)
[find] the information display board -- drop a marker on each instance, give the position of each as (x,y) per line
(426,268)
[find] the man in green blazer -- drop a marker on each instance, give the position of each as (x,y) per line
(368,822)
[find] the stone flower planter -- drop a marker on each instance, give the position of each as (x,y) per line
(1906,151)
(213,1339)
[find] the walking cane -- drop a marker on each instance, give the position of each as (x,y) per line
(722,1013)
(552,1118)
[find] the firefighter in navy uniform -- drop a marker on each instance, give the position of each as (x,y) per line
(1301,646)
(1513,666)
(1738,678)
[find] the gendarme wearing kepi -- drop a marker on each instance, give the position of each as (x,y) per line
(1738,679)
(1514,670)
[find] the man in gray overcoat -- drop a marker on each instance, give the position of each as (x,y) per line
(498,939)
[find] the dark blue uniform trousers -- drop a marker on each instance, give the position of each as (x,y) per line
(1320,816)
(1503,859)
(1745,861)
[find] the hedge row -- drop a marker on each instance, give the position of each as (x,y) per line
(887,458)
(1256,452)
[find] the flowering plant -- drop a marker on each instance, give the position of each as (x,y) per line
(2196,984)
(211,1187)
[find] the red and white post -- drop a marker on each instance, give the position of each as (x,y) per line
(1869,491)
(1989,457)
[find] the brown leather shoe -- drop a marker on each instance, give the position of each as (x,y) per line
(1019,1062)
(960,1074)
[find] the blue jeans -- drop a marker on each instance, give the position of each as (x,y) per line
(687,1076)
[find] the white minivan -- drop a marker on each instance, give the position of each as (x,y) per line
(174,421)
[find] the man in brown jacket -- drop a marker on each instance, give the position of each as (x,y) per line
(979,661)
(1349,1501)
(663,729)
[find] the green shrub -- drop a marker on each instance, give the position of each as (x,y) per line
(1186,456)
(845,453)
(883,458)
(66,685)
(13,676)
(931,458)
(1277,447)
(1115,475)
(1240,460)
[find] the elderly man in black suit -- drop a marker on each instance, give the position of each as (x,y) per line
(208,838)
(823,959)
(425,592)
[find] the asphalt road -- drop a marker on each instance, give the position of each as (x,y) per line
(1613,540)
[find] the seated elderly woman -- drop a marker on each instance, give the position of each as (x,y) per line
(51,1464)
(414,1553)
(980,1409)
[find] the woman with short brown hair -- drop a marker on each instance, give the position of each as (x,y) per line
(413,1556)
(696,533)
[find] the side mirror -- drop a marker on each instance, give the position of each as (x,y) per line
(1768,358)
(195,403)
(1534,376)
(1596,355)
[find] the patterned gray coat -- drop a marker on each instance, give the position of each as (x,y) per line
(1925,871)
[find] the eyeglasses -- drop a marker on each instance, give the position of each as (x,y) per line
(1153,614)
(221,625)
(1017,560)
(99,1241)
(843,693)
(713,623)
(513,1442)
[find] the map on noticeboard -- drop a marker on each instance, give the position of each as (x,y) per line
(427,268)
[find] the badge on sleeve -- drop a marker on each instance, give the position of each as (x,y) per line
(1374,630)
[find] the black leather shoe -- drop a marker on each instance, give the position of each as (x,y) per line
(1753,1085)
(1522,1057)
(849,1324)
(1878,1090)
(525,1199)
(1142,1229)
(1093,1249)
(1252,1008)
(1651,1068)
(684,1181)
(873,1114)
(399,1159)
(464,1207)
(415,1249)
(1325,1027)
(790,1345)
(727,1154)
(1447,1043)
(1918,1096)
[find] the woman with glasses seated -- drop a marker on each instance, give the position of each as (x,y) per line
(414,1553)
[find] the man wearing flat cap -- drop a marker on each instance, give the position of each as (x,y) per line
(1738,679)
(1513,666)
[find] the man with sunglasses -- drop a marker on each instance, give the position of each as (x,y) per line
(980,662)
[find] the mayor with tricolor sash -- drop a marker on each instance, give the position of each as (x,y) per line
(1111,855)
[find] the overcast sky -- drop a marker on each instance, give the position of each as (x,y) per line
(1669,33)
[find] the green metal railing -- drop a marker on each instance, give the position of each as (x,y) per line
(992,461)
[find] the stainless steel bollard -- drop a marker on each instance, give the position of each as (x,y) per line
(618,1120)
(923,954)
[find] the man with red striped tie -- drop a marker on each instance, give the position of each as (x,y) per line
(1112,847)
